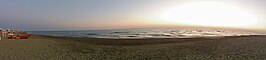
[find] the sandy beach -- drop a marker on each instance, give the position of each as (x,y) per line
(67,48)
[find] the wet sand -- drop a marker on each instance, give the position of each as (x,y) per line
(66,48)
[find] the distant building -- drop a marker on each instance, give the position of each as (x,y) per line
(2,30)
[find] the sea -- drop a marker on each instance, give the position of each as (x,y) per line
(148,33)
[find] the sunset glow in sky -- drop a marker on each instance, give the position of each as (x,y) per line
(119,14)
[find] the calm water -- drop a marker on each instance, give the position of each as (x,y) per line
(147,33)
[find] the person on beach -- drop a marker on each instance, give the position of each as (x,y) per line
(4,33)
(1,32)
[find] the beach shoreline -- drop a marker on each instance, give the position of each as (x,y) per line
(52,47)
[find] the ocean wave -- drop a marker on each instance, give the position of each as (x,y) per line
(151,33)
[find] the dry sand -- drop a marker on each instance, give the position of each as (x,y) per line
(65,48)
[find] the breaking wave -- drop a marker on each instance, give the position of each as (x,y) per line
(148,33)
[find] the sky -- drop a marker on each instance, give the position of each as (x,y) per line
(101,14)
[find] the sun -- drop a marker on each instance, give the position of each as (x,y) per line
(209,14)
